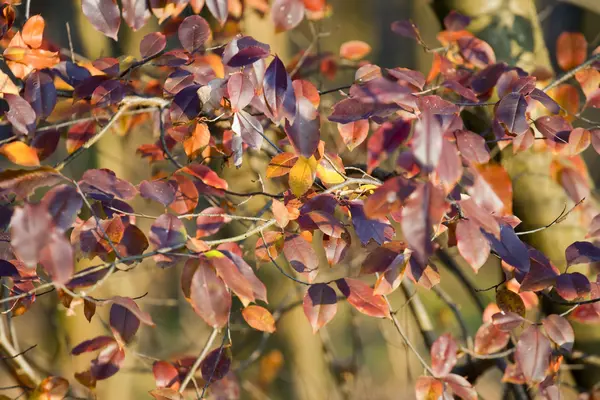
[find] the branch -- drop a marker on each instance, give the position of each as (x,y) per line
(569,74)
(420,313)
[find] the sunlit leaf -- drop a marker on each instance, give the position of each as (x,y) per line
(259,318)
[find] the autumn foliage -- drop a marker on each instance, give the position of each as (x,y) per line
(426,183)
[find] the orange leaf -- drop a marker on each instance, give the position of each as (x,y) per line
(259,318)
(571,50)
(197,140)
(354,50)
(20,153)
(281,165)
(33,31)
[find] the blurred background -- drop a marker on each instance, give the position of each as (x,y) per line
(354,357)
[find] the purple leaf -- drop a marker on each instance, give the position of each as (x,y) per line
(533,354)
(241,91)
(40,93)
(105,181)
(582,253)
(305,132)
(219,10)
(63,202)
(554,128)
(152,44)
(279,91)
(510,248)
(167,232)
(244,50)
(511,112)
(572,286)
(249,128)
(57,258)
(160,191)
(351,110)
(29,228)
(287,14)
(20,114)
(472,147)
(379,230)
(455,21)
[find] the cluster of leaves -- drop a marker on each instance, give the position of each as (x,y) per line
(236,98)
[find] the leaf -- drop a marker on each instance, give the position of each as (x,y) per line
(58,258)
(241,91)
(249,128)
(287,14)
(216,364)
(106,181)
(123,323)
(245,50)
(389,197)
(378,229)
(108,93)
(461,387)
(166,394)
(33,30)
(40,93)
(560,331)
(104,15)
(571,50)
(301,255)
(219,10)
(361,296)
(554,128)
(427,140)
(354,133)
(79,134)
(386,140)
(510,248)
(97,343)
(20,114)
(320,305)
(281,164)
(193,32)
(136,14)
(21,154)
(490,339)
(206,292)
(259,318)
(211,222)
(509,301)
(572,286)
(351,110)
(160,191)
(472,146)
(354,50)
(422,210)
(541,274)
(29,227)
(443,355)
(167,232)
(186,195)
(533,354)
(476,51)
(231,275)
(165,375)
(185,106)
(472,244)
(582,253)
(511,112)
(429,388)
(272,244)
(305,132)
(302,175)
(278,90)
(152,44)
(234,253)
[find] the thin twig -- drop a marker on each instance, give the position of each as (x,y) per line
(569,74)
(203,353)
(494,356)
(561,217)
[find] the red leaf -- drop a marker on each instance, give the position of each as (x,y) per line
(320,305)
(165,375)
(79,134)
(231,275)
(554,128)
(427,140)
(160,191)
(476,51)
(354,133)
(94,344)
(193,32)
(301,255)
(57,258)
(104,16)
(241,91)
(216,364)
(559,331)
(354,50)
(386,140)
(210,221)
(20,114)
(472,244)
(533,354)
(361,296)
(206,291)
(123,323)
(152,44)
(234,253)
(389,197)
(472,146)
(105,181)
(29,228)
(461,387)
(571,50)
(443,355)
(287,14)
(490,339)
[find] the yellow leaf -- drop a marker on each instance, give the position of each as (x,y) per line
(20,153)
(328,174)
(510,301)
(302,175)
